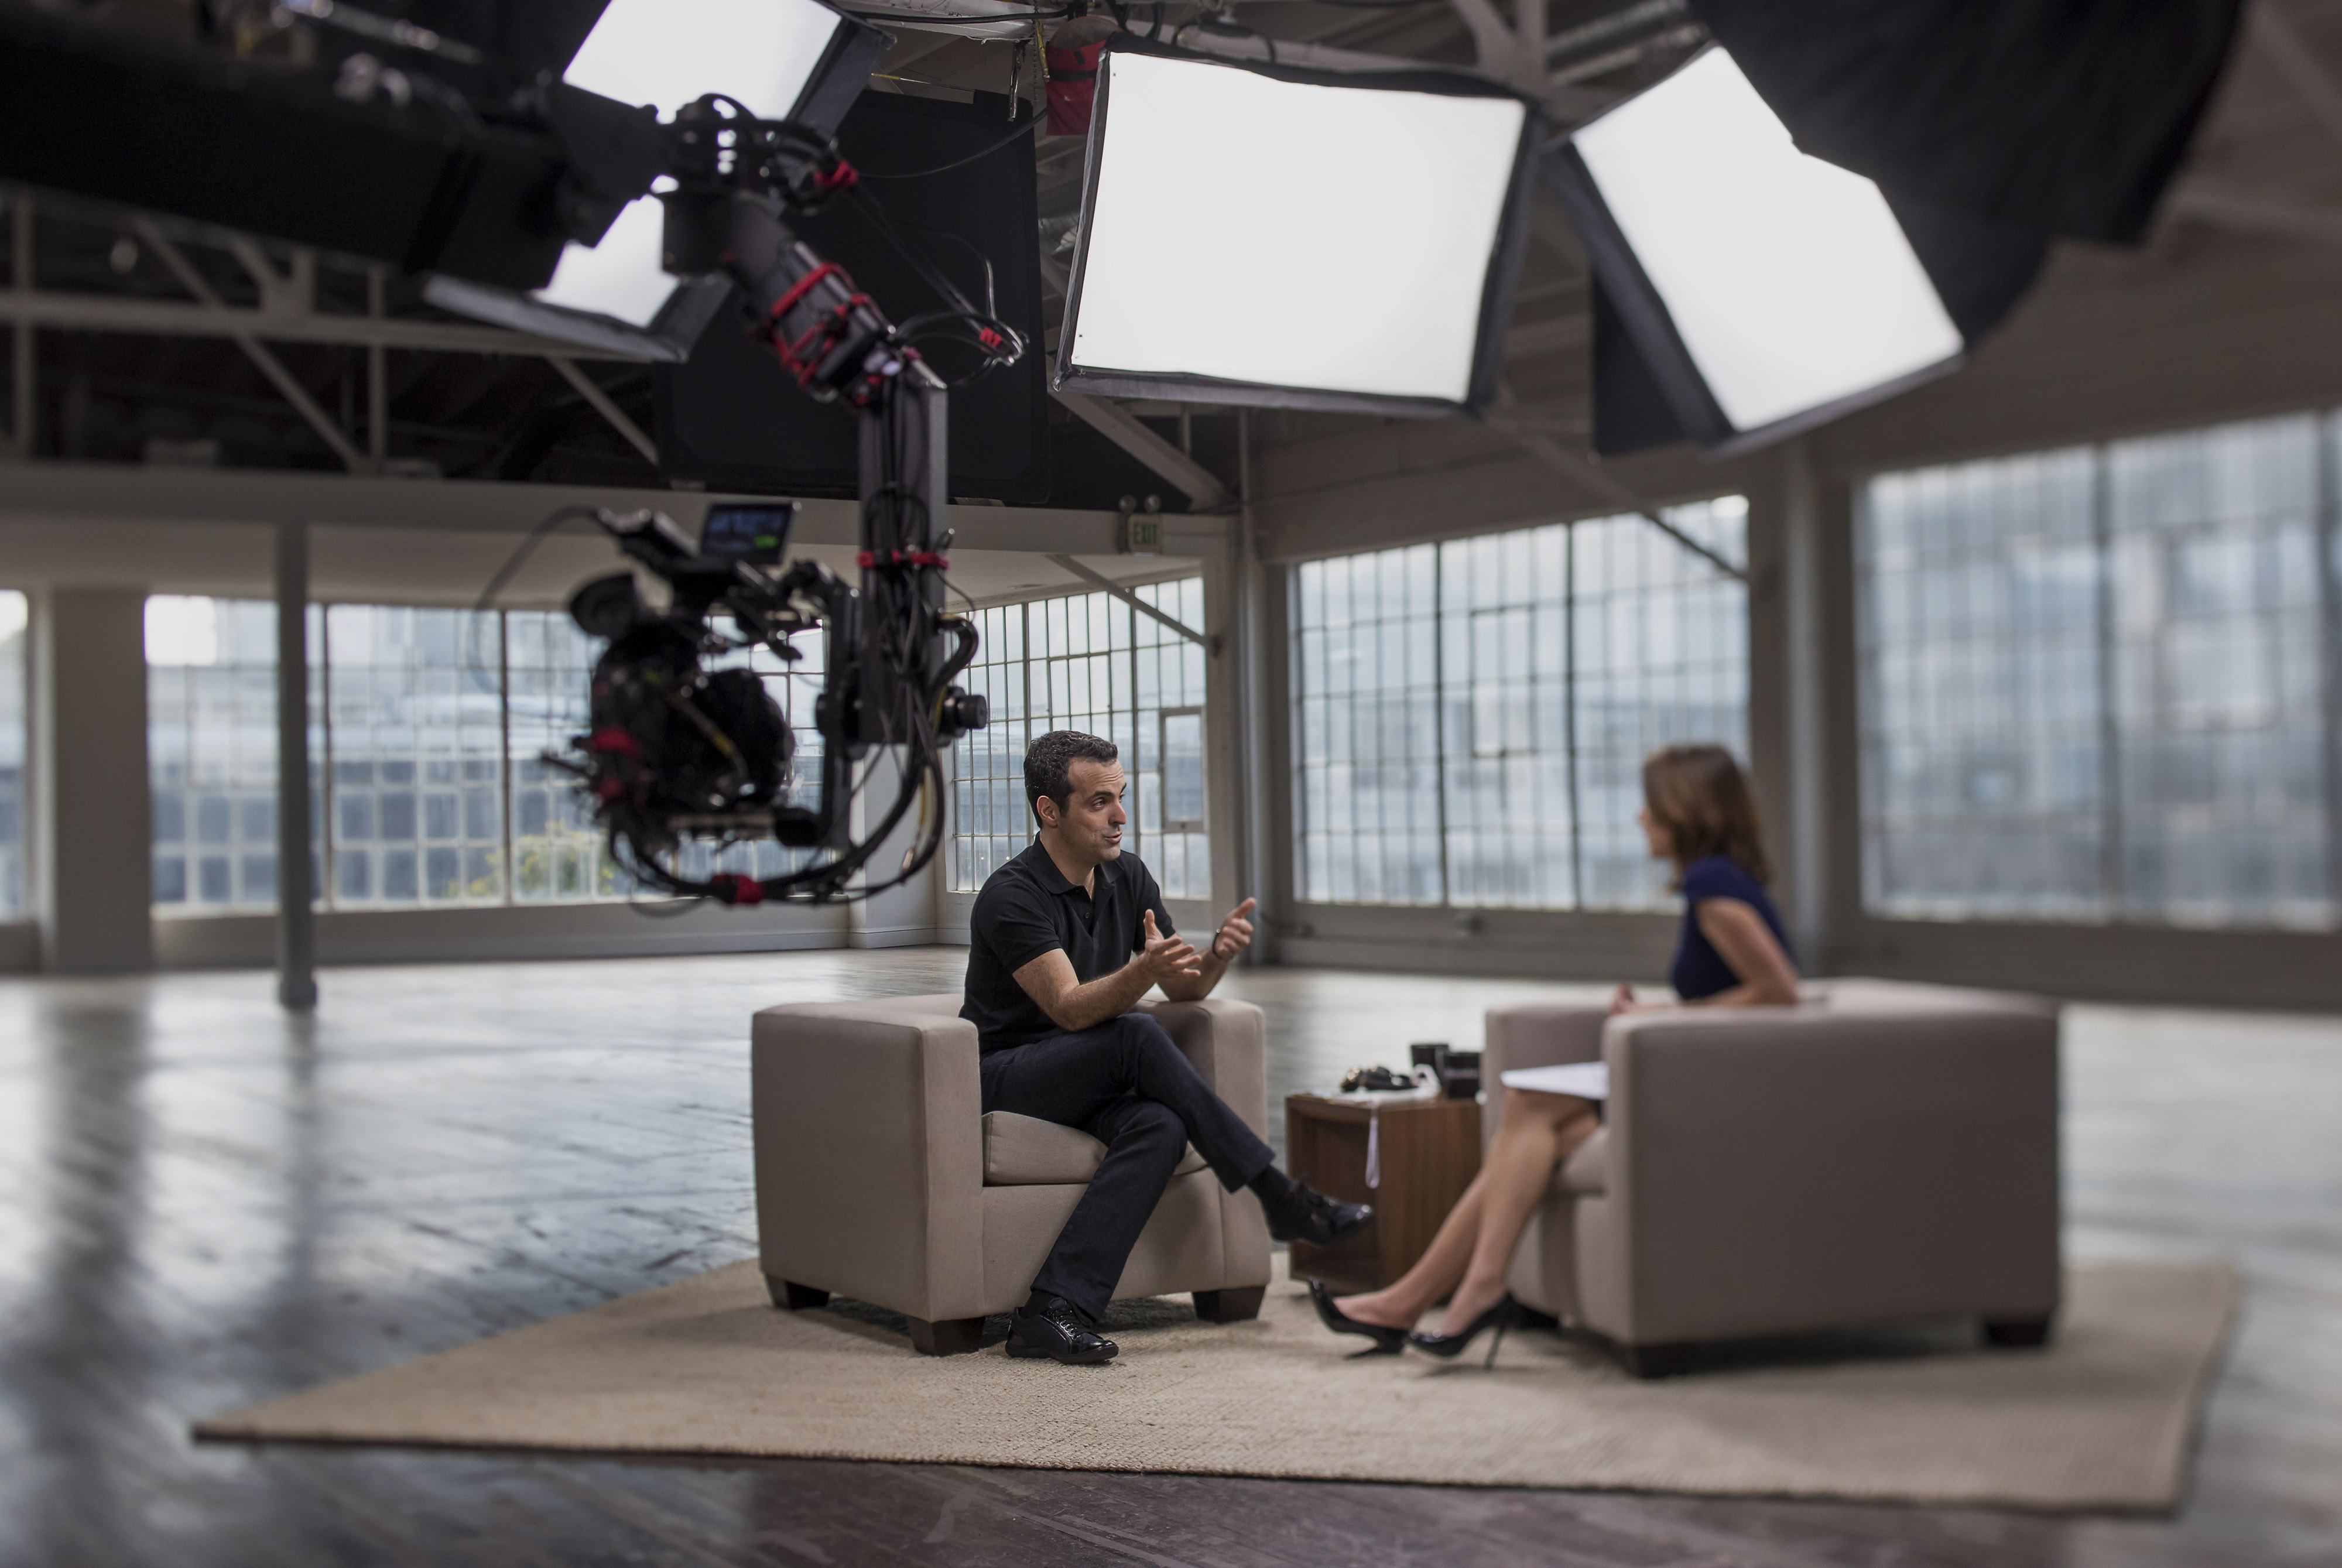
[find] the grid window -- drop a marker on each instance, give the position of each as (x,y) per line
(2092,686)
(211,745)
(989,823)
(1984,750)
(1369,755)
(12,754)
(2220,732)
(1504,701)
(1167,761)
(1661,650)
(1472,716)
(1088,662)
(435,790)
(416,749)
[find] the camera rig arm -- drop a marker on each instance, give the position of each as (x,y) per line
(674,751)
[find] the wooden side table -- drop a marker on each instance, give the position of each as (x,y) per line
(1429,1154)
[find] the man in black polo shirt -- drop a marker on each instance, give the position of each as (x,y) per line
(1064,940)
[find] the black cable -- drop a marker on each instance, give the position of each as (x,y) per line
(1025,129)
(520,553)
(513,564)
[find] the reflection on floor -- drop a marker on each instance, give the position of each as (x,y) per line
(203,1203)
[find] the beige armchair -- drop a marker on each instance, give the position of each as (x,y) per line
(879,1178)
(1879,1151)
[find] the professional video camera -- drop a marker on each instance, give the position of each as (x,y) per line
(677,751)
(477,160)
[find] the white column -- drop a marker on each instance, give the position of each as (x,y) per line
(1823,750)
(92,819)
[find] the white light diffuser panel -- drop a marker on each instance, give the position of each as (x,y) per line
(1289,235)
(621,277)
(1789,279)
(668,53)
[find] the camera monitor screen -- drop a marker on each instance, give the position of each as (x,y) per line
(757,534)
(1276,236)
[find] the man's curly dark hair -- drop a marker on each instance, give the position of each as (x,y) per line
(1047,759)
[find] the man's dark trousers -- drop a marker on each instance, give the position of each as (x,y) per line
(1127,1085)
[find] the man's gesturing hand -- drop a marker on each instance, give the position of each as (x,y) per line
(1235,932)
(1167,957)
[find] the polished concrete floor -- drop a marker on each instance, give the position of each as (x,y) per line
(203,1203)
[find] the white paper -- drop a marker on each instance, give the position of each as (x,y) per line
(1586,1080)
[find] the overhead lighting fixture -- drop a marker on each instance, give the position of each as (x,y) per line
(796,60)
(1764,291)
(783,59)
(1296,238)
(612,296)
(1745,290)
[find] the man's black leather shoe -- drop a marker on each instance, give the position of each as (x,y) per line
(1306,1214)
(1058,1333)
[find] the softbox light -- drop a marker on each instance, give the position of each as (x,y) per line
(1748,291)
(1276,236)
(783,59)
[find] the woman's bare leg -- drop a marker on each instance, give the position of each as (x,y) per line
(1538,1133)
(1403,1302)
(1527,1135)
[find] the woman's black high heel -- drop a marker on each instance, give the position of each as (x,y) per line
(1505,1314)
(1387,1340)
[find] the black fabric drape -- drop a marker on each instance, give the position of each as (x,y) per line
(2062,117)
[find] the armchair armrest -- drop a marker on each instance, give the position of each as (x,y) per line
(1541,1035)
(869,1153)
(1797,1164)
(1224,1040)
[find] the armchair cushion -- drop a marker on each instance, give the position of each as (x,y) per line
(1027,1152)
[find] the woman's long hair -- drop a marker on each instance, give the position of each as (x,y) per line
(1698,793)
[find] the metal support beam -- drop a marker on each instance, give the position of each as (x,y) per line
(27,380)
(287,384)
(1492,40)
(591,391)
(1589,472)
(2251,211)
(297,935)
(1101,580)
(175,318)
(1119,425)
(2281,44)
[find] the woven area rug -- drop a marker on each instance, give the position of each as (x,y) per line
(2101,1420)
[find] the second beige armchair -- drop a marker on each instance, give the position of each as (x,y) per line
(1880,1151)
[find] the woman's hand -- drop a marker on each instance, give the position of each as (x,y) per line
(1623,1001)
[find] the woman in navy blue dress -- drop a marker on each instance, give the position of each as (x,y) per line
(1698,813)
